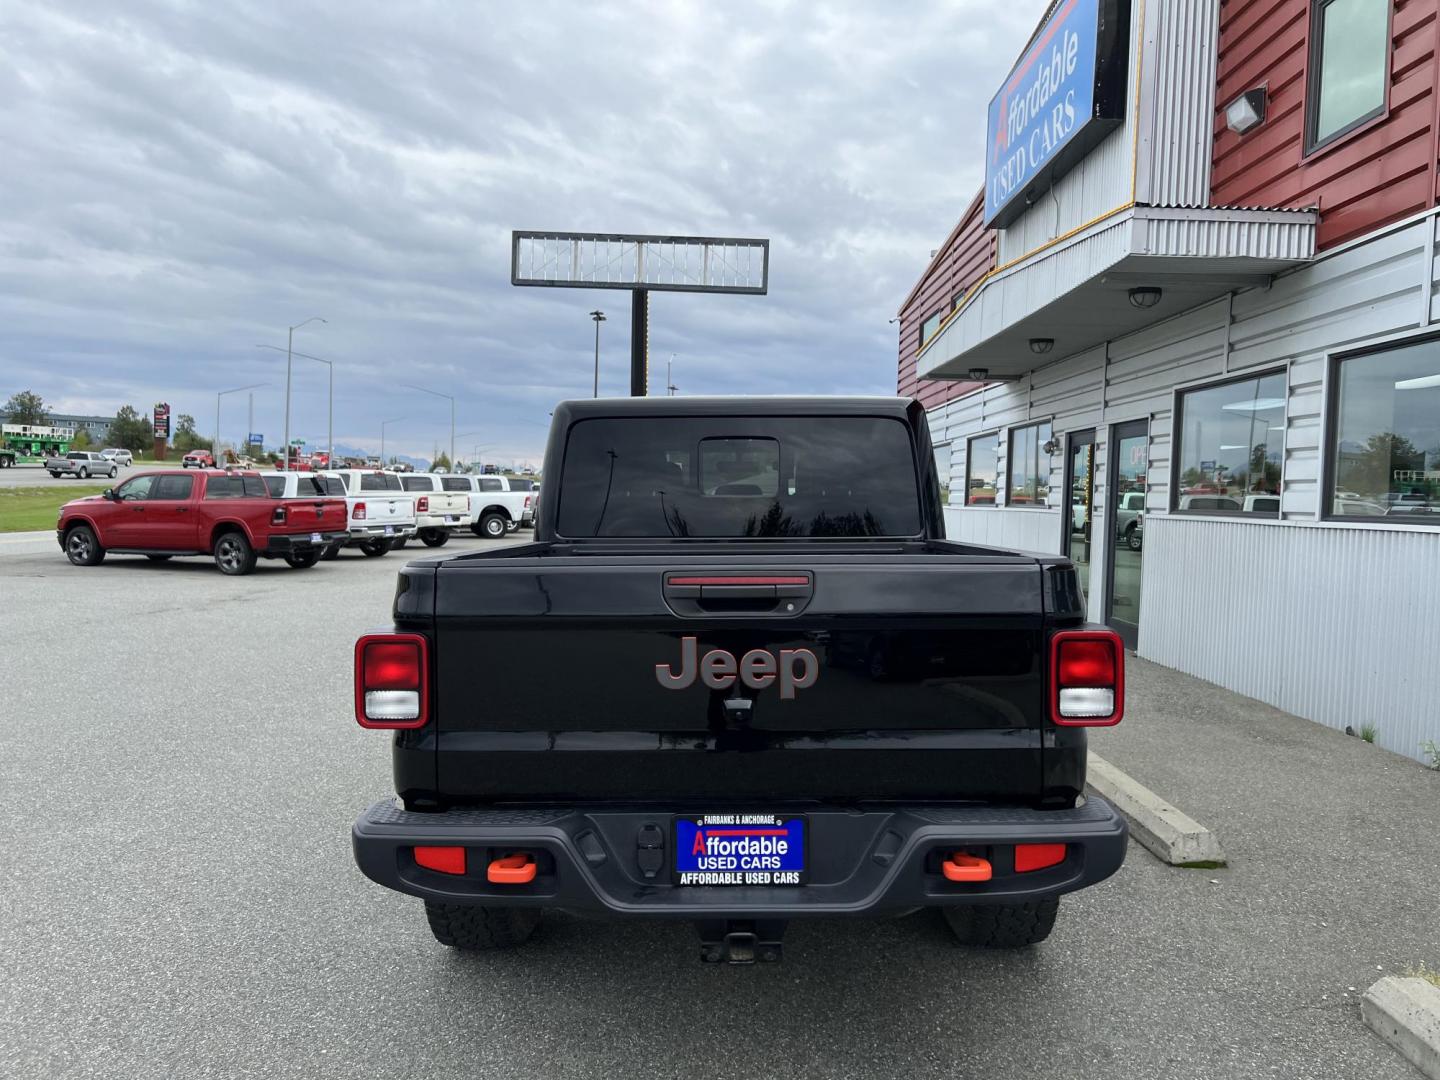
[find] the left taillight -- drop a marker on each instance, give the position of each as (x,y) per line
(422,505)
(278,517)
(1087,678)
(392,681)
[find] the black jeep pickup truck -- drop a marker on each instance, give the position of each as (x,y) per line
(749,680)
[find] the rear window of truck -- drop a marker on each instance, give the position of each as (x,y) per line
(720,477)
(455,483)
(379,482)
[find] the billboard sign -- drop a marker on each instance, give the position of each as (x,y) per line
(255,438)
(1063,96)
(162,420)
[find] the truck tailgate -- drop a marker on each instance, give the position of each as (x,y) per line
(636,677)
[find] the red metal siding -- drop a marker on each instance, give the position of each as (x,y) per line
(1382,172)
(968,254)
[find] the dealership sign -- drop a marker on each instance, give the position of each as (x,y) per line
(1065,94)
(162,420)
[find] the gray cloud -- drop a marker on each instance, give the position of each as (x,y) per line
(184,180)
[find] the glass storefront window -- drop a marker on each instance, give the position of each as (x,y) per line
(942,470)
(1029,466)
(1385,454)
(982,455)
(1231,447)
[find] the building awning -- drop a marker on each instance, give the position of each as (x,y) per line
(1077,291)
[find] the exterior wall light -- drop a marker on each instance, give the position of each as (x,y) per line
(979,374)
(1041,345)
(1246,111)
(1145,296)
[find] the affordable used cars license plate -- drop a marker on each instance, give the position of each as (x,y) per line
(739,849)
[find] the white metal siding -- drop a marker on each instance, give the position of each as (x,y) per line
(1180,52)
(1334,624)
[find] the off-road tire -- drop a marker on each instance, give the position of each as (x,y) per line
(234,557)
(493,526)
(435,537)
(375,548)
(1003,926)
(82,546)
(473,929)
(303,560)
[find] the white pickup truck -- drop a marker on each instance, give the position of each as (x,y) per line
(438,512)
(494,508)
(380,512)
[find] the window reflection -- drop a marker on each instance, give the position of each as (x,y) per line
(1029,466)
(1231,446)
(1386,456)
(981,457)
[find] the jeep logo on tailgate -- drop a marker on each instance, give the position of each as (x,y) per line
(795,668)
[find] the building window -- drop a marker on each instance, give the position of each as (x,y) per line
(982,455)
(1029,466)
(1385,457)
(942,470)
(1349,61)
(929,328)
(1231,446)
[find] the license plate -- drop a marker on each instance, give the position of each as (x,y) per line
(315,538)
(451,519)
(739,849)
(389,530)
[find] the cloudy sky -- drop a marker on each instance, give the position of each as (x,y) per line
(184,181)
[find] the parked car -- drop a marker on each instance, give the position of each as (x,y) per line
(118,456)
(228,515)
(638,759)
(81,464)
(494,509)
(379,510)
(438,512)
(1130,519)
(198,459)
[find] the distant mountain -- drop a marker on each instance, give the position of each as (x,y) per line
(342,450)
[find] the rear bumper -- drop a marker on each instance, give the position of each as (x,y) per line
(361,533)
(289,544)
(437,521)
(861,862)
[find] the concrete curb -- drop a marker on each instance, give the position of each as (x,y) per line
(1405,1012)
(1170,834)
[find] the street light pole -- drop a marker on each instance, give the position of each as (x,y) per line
(670,386)
(437,393)
(395,420)
(222,393)
(599,317)
(289,344)
(328,363)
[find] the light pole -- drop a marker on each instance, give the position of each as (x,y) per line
(670,386)
(436,393)
(395,420)
(222,393)
(599,317)
(455,465)
(289,342)
(329,364)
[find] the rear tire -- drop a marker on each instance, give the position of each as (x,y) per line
(434,537)
(331,553)
(234,556)
(399,542)
(1003,926)
(375,548)
(493,526)
(475,929)
(1133,539)
(84,473)
(82,546)
(303,560)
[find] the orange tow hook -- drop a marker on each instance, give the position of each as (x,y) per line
(518,870)
(962,867)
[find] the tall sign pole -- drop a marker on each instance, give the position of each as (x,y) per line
(641,265)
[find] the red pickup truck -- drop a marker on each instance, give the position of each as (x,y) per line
(229,515)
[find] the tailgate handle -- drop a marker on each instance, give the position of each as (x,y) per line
(739,593)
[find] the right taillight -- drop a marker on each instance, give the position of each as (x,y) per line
(359,512)
(1087,678)
(392,682)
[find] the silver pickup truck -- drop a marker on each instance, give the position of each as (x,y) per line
(81,464)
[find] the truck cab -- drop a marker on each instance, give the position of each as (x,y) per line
(750,681)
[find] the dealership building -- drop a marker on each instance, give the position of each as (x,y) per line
(1189,334)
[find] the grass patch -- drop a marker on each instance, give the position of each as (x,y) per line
(1368,731)
(1420,971)
(27,509)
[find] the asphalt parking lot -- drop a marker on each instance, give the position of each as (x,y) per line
(35,476)
(181,768)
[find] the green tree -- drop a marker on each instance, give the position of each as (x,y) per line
(187,438)
(81,441)
(26,407)
(442,462)
(131,430)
